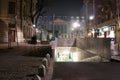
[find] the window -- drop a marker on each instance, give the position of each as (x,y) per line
(11,8)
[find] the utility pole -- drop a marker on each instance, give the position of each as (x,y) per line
(53,31)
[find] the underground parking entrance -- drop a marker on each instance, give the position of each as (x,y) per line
(82,50)
(84,59)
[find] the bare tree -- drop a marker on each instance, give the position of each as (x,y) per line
(38,10)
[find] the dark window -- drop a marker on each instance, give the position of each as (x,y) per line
(11,8)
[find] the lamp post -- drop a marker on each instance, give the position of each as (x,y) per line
(91,23)
(76,24)
(91,18)
(94,13)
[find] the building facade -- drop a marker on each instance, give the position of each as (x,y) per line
(61,26)
(106,19)
(15,21)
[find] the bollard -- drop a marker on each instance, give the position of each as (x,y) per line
(45,62)
(33,77)
(37,77)
(42,71)
(48,58)
(30,77)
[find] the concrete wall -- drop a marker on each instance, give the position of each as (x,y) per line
(66,42)
(98,46)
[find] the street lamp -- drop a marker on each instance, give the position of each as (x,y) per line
(91,17)
(91,24)
(34,25)
(76,24)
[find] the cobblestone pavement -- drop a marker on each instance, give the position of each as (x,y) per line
(14,66)
(17,67)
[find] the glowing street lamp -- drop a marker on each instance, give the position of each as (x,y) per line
(91,17)
(34,25)
(76,24)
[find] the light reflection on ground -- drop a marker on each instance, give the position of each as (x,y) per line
(73,54)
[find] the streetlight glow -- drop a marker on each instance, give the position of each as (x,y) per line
(33,25)
(76,24)
(91,17)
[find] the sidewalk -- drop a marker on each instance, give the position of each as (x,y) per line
(14,44)
(15,66)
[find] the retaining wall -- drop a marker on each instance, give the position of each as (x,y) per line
(98,46)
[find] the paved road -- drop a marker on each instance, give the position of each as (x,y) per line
(86,71)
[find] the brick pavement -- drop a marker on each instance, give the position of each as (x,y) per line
(14,66)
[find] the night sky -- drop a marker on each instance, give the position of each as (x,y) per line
(65,8)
